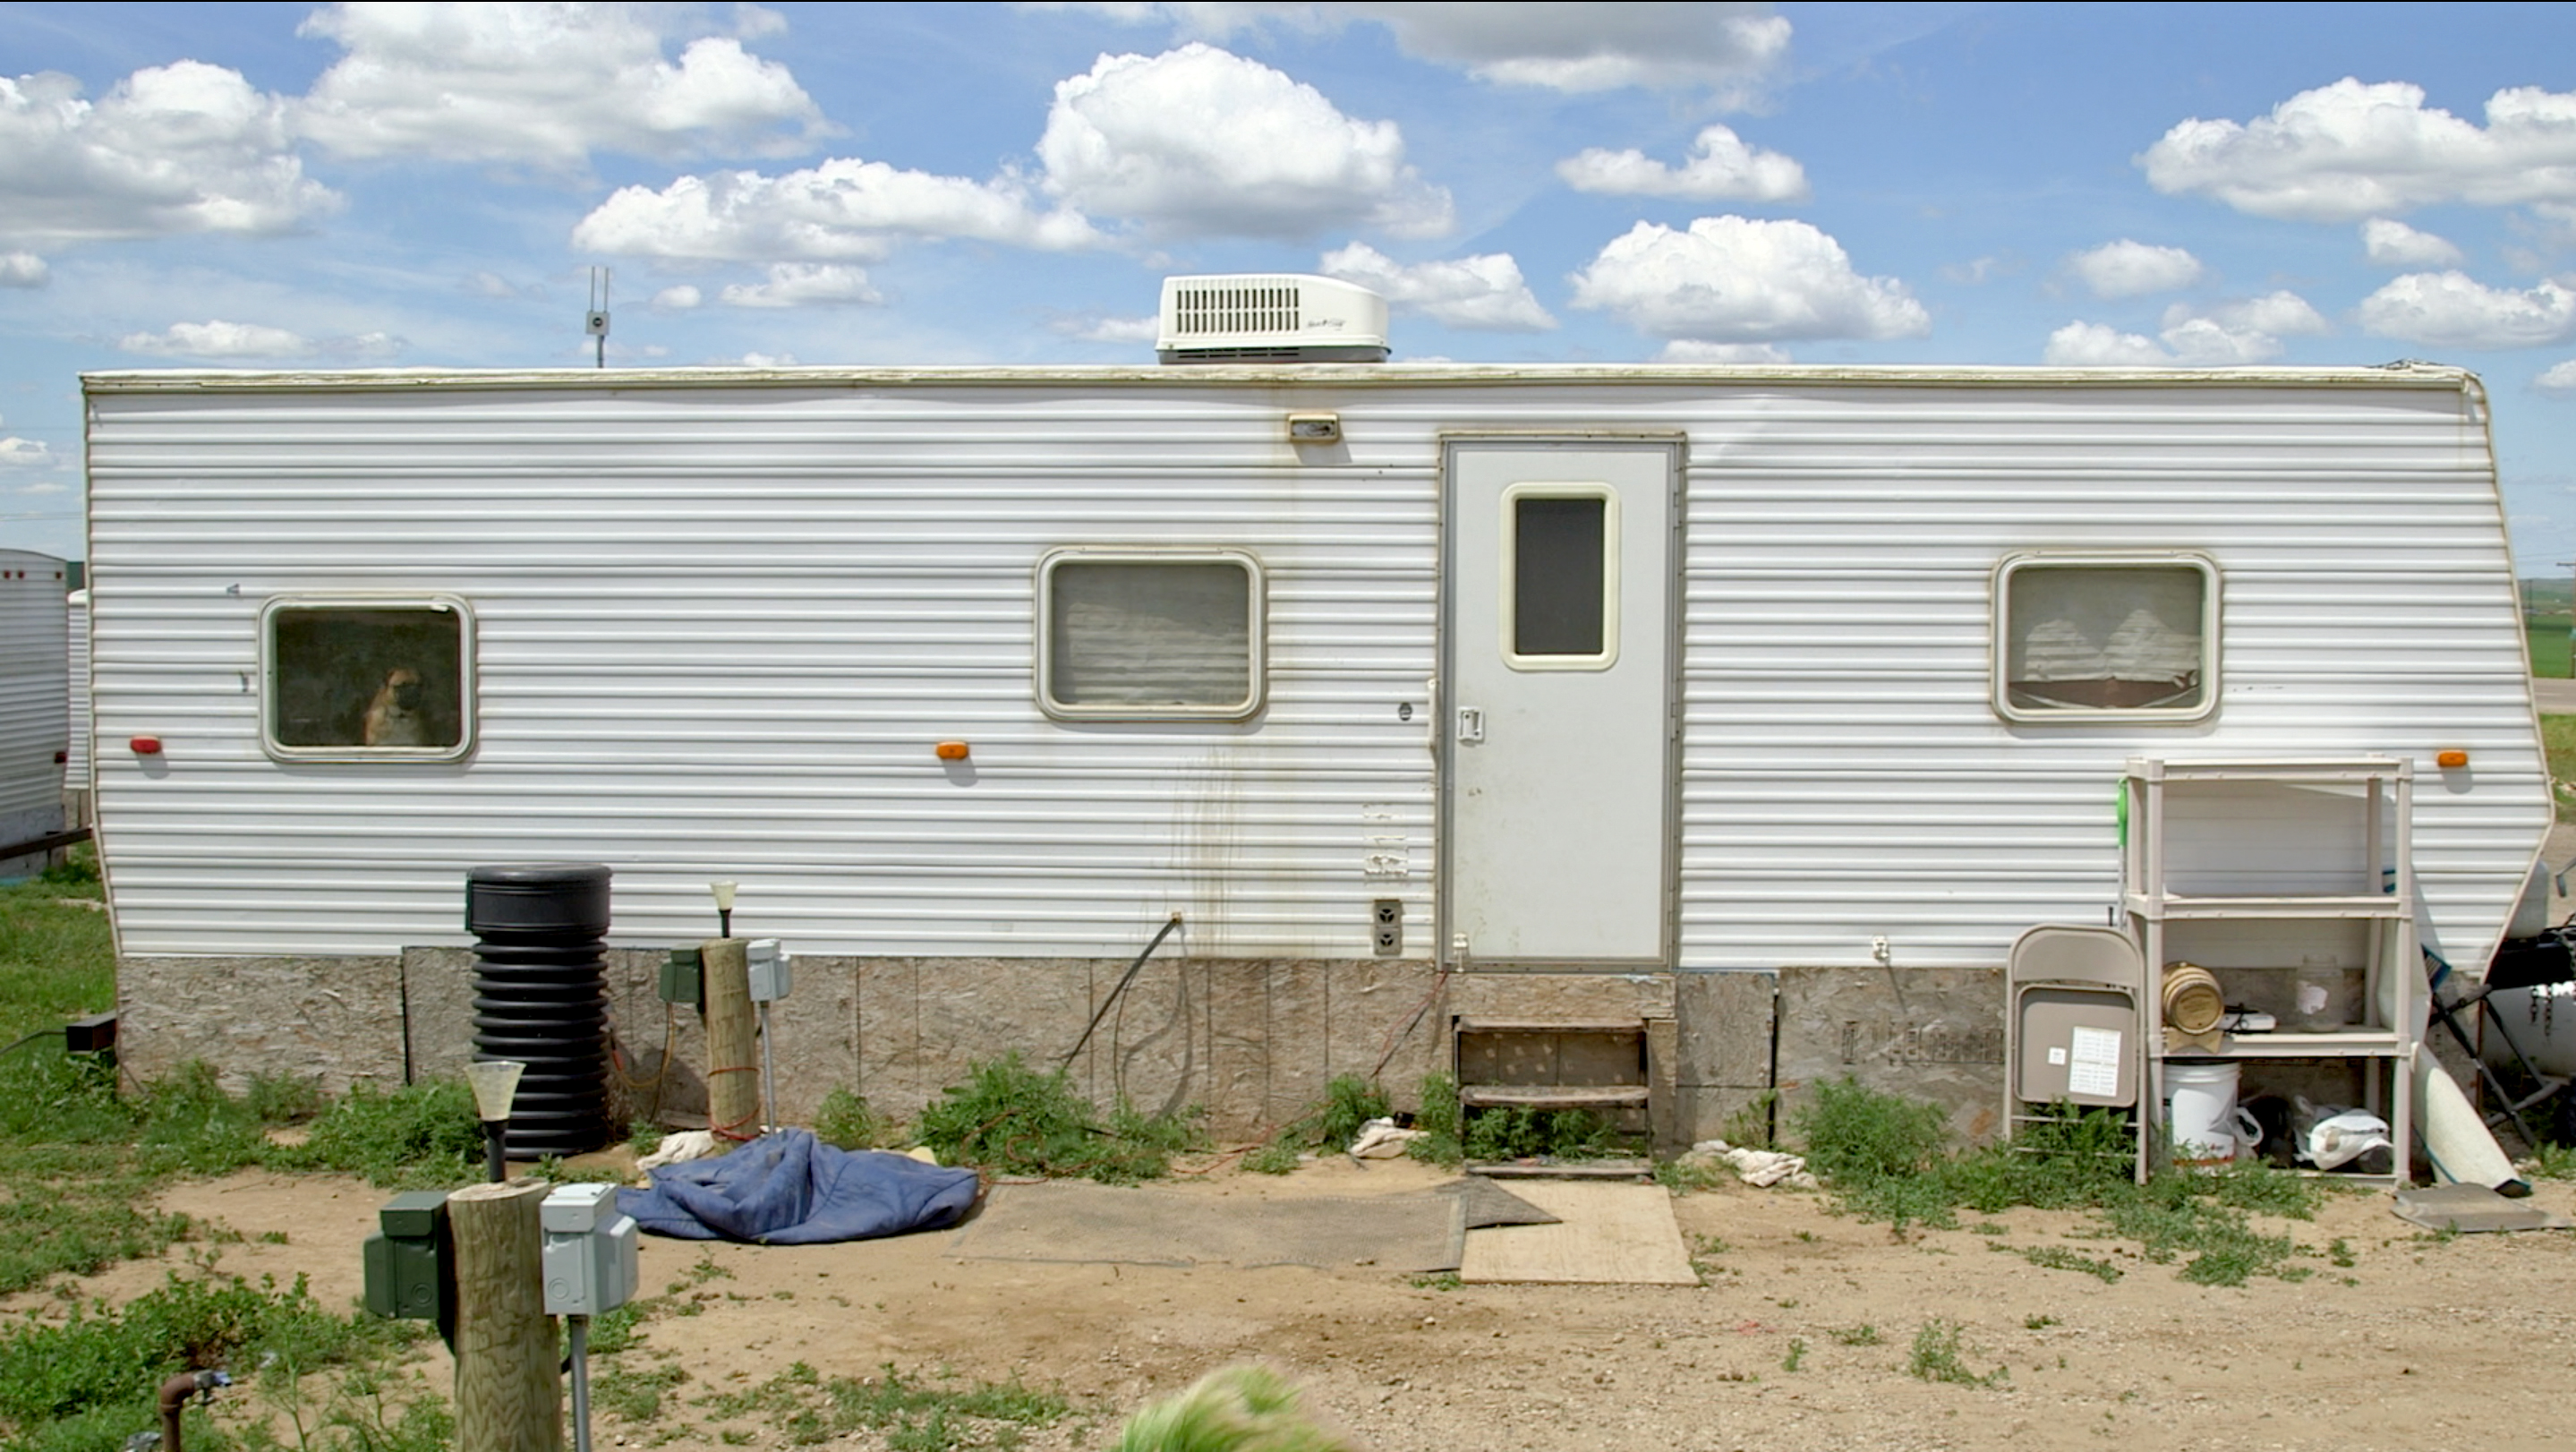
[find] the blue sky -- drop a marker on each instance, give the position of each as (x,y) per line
(255,185)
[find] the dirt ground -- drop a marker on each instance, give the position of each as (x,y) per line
(2421,1342)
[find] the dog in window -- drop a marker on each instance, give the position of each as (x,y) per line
(397,716)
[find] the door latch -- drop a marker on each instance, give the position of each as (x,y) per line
(1471,724)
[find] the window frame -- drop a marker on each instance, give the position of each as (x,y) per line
(1999,639)
(467,698)
(1508,548)
(1256,631)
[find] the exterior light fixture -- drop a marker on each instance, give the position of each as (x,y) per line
(495,1083)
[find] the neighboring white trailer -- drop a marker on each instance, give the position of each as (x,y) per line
(34,706)
(76,760)
(1600,680)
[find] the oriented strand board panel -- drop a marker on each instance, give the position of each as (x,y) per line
(1606,1235)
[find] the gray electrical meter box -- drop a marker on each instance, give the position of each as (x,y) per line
(589,1257)
(771,967)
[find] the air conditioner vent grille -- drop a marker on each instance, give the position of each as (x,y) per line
(1201,311)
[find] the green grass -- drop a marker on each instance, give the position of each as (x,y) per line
(86,1382)
(2549,646)
(2558,738)
(910,1414)
(1888,1158)
(56,962)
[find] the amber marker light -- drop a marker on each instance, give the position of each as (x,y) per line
(2450,760)
(952,751)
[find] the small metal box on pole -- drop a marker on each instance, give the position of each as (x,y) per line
(590,1267)
(771,970)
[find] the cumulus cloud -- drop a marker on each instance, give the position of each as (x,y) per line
(676,299)
(545,86)
(2349,151)
(2392,243)
(763,360)
(1692,350)
(2559,378)
(1721,167)
(18,453)
(2099,345)
(2240,331)
(23,269)
(1484,291)
(180,148)
(2132,269)
(2452,310)
(803,284)
(1977,272)
(1726,48)
(844,210)
(1733,279)
(219,339)
(1201,142)
(1194,142)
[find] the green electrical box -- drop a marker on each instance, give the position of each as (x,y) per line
(684,978)
(410,1260)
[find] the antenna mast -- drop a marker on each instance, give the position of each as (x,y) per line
(596,322)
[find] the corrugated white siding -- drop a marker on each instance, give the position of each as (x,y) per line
(1844,774)
(721,634)
(76,764)
(721,630)
(34,706)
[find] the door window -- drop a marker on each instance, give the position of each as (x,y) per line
(1560,577)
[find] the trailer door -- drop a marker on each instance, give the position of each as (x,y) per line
(1558,689)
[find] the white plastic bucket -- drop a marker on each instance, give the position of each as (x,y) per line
(2200,1112)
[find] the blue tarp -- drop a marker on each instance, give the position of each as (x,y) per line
(788,1189)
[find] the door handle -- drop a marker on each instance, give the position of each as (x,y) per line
(1471,724)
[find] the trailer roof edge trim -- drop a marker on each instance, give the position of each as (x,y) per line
(1381,375)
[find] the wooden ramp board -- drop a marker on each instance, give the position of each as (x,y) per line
(1606,1234)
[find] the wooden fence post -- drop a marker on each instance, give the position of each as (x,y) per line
(509,1389)
(733,1061)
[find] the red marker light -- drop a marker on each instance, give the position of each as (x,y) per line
(146,745)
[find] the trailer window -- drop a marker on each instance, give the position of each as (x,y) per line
(367,680)
(2106,637)
(1142,634)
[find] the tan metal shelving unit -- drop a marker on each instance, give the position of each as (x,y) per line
(2238,844)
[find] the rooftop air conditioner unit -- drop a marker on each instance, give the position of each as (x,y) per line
(1270,318)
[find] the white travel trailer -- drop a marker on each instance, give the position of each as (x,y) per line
(1731,703)
(34,708)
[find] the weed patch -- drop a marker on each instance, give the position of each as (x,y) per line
(1935,1356)
(846,1122)
(2058,1257)
(1350,1102)
(1010,1119)
(63,1385)
(1441,1122)
(910,1415)
(1885,1158)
